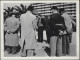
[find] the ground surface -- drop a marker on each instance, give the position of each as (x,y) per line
(41,52)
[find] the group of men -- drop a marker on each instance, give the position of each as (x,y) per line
(58,29)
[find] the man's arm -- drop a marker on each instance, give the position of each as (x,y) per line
(73,22)
(68,23)
(35,23)
(16,26)
(5,26)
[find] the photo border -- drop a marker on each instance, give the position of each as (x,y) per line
(77,31)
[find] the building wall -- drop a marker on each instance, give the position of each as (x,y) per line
(44,9)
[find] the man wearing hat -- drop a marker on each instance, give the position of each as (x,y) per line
(57,26)
(11,28)
(28,26)
(68,23)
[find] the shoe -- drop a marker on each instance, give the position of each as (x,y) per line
(9,52)
(63,54)
(14,52)
(23,56)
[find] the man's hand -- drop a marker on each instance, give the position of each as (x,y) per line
(8,31)
(61,32)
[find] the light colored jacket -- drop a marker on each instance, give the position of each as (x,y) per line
(68,22)
(28,25)
(11,24)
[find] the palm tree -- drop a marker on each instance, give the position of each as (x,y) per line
(7,12)
(5,15)
(22,9)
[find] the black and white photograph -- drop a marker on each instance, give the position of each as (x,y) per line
(39,29)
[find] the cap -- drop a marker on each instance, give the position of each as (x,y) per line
(61,9)
(54,7)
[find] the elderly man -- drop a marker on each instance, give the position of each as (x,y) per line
(11,28)
(28,26)
(68,38)
(57,26)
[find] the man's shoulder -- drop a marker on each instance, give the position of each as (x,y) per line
(51,14)
(9,18)
(55,15)
(34,16)
(65,14)
(23,14)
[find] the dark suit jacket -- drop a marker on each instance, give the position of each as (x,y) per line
(56,19)
(43,21)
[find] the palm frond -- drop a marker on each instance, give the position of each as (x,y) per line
(25,9)
(6,10)
(22,6)
(18,8)
(12,9)
(9,8)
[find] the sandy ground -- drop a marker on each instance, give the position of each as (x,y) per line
(41,52)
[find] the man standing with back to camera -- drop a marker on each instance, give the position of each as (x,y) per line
(57,26)
(11,27)
(68,39)
(28,26)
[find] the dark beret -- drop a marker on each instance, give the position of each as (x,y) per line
(61,9)
(54,7)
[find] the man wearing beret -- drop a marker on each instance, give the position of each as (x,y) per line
(11,28)
(28,26)
(57,27)
(68,24)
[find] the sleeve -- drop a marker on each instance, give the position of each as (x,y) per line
(68,23)
(5,26)
(73,22)
(16,26)
(51,22)
(37,18)
(34,23)
(43,21)
(67,20)
(20,22)
(20,19)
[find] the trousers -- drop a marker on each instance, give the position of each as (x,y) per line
(27,52)
(55,46)
(40,34)
(65,44)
